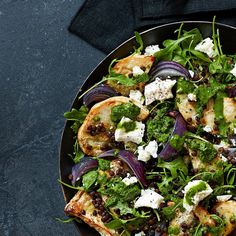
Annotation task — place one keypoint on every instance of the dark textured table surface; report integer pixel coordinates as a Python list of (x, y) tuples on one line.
[(41, 68)]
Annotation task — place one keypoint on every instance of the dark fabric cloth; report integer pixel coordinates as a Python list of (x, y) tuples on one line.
[(107, 23)]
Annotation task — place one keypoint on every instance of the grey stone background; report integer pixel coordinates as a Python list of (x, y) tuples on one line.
[(41, 68)]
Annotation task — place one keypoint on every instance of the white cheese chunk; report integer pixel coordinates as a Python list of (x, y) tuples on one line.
[(223, 158), (136, 96), (145, 154), (140, 234), (137, 71), (207, 128), (199, 196), (135, 136), (149, 198), (192, 97), (152, 148), (206, 46), (233, 71), (151, 50), (223, 198), (234, 130), (159, 90), (191, 73), (128, 180)]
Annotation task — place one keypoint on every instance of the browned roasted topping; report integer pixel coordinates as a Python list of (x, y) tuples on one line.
[(96, 129)]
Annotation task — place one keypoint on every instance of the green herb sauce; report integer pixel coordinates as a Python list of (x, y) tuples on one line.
[(160, 127), (128, 126), (128, 110), (185, 86), (206, 151), (192, 192), (205, 92), (104, 164), (173, 230), (177, 142)]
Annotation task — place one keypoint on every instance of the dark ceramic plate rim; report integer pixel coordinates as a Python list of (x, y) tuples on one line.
[(76, 103)]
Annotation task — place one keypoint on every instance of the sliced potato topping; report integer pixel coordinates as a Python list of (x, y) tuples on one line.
[(81, 206), (204, 216), (227, 210), (208, 118), (229, 109), (125, 67), (94, 136), (187, 109)]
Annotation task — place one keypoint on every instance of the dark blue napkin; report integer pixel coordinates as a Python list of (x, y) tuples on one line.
[(105, 24)]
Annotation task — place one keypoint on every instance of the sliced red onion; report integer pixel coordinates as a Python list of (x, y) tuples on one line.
[(231, 91), (85, 165), (98, 94), (131, 160), (165, 69), (168, 152)]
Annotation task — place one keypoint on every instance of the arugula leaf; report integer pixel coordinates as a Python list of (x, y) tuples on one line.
[(89, 179), (143, 78), (200, 55), (114, 224), (77, 116), (139, 41), (123, 207), (170, 211), (122, 79), (78, 154), (174, 166), (196, 37), (170, 46), (69, 220)]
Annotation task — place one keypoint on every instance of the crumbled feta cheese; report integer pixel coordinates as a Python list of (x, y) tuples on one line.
[(192, 97), (207, 128), (223, 158), (191, 73), (130, 180), (199, 196), (144, 154), (137, 71), (152, 148), (234, 130), (151, 50), (206, 46), (135, 136), (149, 198), (137, 96), (140, 234), (233, 141), (158, 90), (223, 198), (233, 71)]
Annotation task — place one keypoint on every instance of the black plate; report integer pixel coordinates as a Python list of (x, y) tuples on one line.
[(153, 36)]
